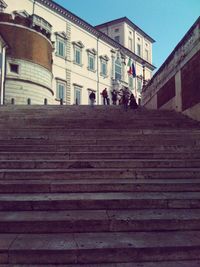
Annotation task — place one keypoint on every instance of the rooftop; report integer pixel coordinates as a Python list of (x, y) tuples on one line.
[(129, 22)]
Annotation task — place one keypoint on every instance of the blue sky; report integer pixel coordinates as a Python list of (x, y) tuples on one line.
[(166, 21)]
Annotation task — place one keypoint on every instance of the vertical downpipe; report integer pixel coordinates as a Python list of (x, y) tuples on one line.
[(97, 70), (33, 7), (3, 75)]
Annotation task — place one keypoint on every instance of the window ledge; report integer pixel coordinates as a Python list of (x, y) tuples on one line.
[(80, 65), (91, 70), (103, 75), (58, 99), (63, 57)]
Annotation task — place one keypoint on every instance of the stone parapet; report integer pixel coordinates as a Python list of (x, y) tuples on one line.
[(182, 68)]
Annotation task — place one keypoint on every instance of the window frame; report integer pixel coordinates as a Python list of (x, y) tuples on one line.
[(77, 88), (130, 43), (12, 70), (61, 38), (117, 73), (59, 41), (146, 54), (63, 84), (104, 68), (91, 55), (139, 85), (117, 39), (78, 49), (139, 49), (104, 62), (130, 82), (77, 55)]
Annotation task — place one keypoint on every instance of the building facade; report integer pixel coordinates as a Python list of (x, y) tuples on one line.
[(176, 85), (53, 54)]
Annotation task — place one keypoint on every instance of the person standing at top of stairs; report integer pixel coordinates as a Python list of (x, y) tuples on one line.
[(105, 97), (92, 98)]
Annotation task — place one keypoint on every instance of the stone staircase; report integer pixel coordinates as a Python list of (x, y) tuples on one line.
[(98, 187)]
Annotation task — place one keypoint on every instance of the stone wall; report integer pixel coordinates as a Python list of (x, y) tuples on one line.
[(190, 80), (176, 85), (32, 81)]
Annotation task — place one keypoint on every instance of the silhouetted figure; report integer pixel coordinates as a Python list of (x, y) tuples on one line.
[(125, 98), (105, 97), (133, 104), (92, 98), (114, 97)]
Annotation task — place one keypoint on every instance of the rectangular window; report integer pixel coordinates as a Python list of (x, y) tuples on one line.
[(60, 93), (77, 56), (146, 54), (77, 95), (139, 85), (139, 49), (130, 44), (14, 68), (118, 72), (60, 48), (130, 82), (91, 60), (117, 39), (103, 67)]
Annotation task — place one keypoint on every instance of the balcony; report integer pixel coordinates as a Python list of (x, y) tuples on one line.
[(41, 24), (117, 85)]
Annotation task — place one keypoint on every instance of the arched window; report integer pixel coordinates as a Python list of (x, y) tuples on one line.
[(118, 69)]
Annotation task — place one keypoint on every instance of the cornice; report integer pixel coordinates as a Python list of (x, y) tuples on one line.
[(130, 23), (52, 5)]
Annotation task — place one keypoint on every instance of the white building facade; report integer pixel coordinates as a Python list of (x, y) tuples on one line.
[(84, 58)]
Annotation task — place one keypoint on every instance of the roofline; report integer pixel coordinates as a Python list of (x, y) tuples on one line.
[(180, 43), (88, 27), (129, 22)]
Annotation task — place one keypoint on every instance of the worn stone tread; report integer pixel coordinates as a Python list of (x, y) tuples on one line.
[(91, 247), (91, 173), (99, 185), (100, 196), (131, 264), (154, 214)]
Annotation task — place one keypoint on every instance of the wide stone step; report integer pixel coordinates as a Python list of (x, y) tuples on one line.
[(103, 163), (51, 132), (90, 173), (70, 221), (81, 146), (186, 263), (133, 155), (137, 134), (98, 155), (99, 247), (130, 200), (102, 124), (99, 185), (71, 134)]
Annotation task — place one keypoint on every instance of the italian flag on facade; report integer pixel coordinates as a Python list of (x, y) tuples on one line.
[(131, 68)]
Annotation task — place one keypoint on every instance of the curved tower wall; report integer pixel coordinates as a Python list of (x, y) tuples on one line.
[(29, 62)]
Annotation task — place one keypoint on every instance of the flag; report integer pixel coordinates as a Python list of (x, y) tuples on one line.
[(129, 67), (133, 72)]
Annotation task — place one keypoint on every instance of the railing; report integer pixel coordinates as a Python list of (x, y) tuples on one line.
[(12, 102), (41, 23)]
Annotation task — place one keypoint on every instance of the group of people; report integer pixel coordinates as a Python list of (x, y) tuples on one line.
[(122, 97)]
